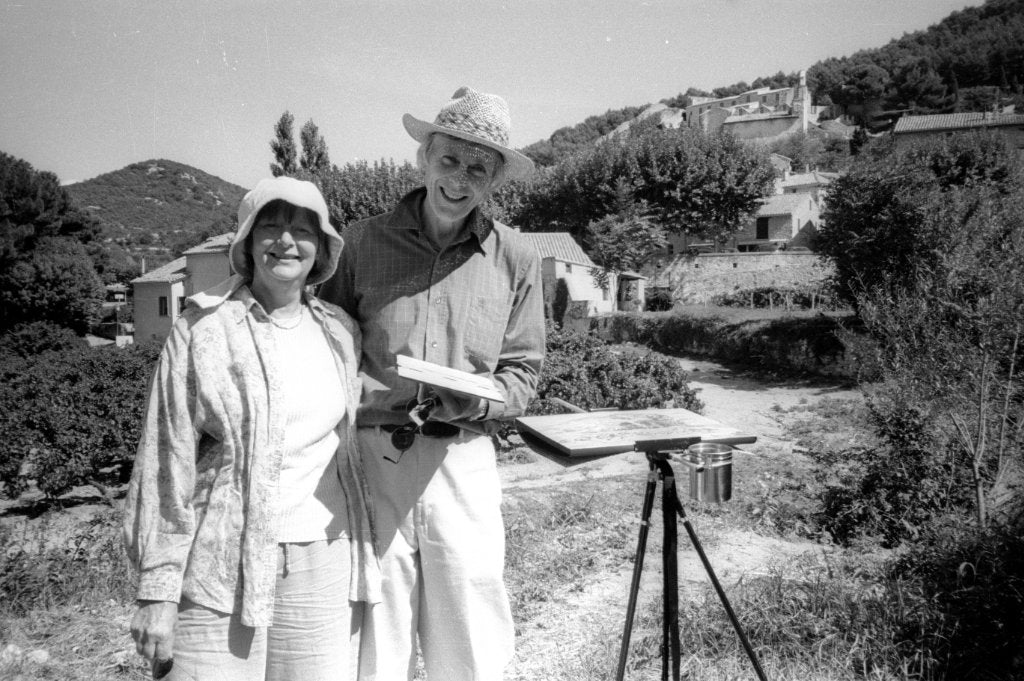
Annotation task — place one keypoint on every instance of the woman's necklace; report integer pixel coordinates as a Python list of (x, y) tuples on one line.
[(289, 323)]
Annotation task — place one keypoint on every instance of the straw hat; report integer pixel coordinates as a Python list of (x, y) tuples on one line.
[(476, 117), (298, 193)]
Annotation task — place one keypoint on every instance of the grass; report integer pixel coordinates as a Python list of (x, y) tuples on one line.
[(845, 617)]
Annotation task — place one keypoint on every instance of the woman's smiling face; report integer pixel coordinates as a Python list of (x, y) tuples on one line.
[(285, 241), (458, 175)]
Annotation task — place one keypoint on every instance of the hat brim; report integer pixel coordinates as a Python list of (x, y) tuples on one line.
[(517, 166)]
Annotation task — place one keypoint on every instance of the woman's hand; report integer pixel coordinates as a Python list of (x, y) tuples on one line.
[(153, 629)]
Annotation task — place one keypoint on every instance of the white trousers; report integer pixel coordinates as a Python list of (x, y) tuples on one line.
[(442, 543), (310, 637)]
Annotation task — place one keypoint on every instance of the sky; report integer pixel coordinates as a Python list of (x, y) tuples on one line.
[(90, 86)]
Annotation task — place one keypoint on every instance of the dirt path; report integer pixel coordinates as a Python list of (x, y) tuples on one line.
[(550, 645)]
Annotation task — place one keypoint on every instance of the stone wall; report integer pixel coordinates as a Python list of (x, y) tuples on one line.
[(699, 278)]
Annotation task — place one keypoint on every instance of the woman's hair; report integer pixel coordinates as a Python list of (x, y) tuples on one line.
[(289, 211), (424, 149)]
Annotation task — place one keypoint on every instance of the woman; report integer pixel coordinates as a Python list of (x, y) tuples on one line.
[(246, 515)]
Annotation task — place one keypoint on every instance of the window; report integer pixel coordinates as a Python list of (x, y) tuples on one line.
[(181, 304), (568, 268), (762, 228), (163, 306)]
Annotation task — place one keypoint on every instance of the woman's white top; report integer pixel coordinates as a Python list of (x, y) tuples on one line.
[(312, 499)]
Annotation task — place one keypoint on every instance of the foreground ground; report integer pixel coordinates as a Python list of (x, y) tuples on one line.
[(575, 631), (571, 539)]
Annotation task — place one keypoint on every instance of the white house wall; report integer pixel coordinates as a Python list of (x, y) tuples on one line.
[(149, 323)]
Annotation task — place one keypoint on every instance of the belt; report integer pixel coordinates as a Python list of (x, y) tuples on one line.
[(428, 429)]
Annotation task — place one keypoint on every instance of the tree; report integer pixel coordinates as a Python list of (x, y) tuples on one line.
[(873, 222), (54, 282), (691, 183), (360, 190), (624, 240), (283, 146), (315, 158)]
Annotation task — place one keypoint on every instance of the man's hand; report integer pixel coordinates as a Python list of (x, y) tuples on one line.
[(153, 629), (455, 406)]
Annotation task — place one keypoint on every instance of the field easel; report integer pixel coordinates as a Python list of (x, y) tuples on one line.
[(583, 436), (658, 453)]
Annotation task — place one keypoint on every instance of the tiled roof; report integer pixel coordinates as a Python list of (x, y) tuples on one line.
[(781, 204), (955, 121), (171, 272), (560, 246), (813, 177), (215, 244)]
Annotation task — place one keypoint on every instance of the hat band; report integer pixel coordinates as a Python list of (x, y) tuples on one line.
[(466, 123)]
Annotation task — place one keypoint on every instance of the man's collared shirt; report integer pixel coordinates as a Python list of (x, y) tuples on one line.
[(476, 305)]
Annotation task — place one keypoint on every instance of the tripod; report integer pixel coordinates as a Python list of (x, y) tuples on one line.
[(657, 452)]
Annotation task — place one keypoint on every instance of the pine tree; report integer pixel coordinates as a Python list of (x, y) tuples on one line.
[(283, 146)]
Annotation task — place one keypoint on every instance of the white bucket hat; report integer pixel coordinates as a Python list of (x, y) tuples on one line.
[(475, 117), (298, 193)]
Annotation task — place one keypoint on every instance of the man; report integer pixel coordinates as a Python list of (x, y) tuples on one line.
[(438, 281)]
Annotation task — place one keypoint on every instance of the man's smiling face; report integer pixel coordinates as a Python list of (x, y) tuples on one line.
[(458, 175)]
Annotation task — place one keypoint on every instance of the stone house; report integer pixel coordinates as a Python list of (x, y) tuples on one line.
[(912, 128)]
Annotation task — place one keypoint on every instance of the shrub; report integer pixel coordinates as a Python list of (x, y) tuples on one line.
[(894, 491), (775, 297), (34, 338), (975, 585), (583, 370), (659, 300), (73, 417)]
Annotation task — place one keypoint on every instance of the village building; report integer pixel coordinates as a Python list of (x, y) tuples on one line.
[(160, 294), (914, 128), (570, 288)]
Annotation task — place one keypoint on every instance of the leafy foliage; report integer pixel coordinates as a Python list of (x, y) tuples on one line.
[(72, 416), (315, 158), (283, 146), (569, 140), (46, 269), (582, 370), (623, 241), (360, 190), (691, 183), (876, 225), (929, 71)]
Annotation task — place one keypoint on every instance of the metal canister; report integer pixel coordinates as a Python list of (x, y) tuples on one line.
[(710, 467)]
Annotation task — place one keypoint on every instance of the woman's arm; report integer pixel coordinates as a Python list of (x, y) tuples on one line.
[(159, 522)]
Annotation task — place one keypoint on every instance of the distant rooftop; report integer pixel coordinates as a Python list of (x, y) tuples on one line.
[(171, 272), (817, 177), (956, 121), (560, 246), (781, 204), (215, 244)]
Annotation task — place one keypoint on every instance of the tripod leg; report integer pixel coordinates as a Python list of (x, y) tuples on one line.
[(638, 566), (721, 592), (670, 656)]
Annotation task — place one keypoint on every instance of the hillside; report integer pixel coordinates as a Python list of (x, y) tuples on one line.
[(158, 208), (973, 60)]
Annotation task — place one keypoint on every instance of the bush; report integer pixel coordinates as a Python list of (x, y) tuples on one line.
[(974, 582), (895, 491), (583, 370), (794, 344), (72, 417), (659, 300), (775, 297), (34, 338)]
